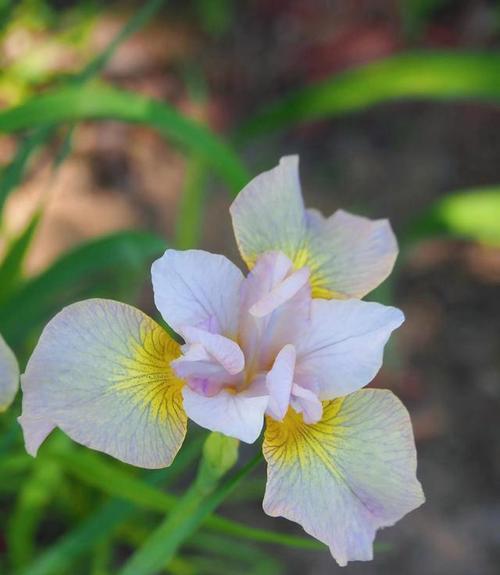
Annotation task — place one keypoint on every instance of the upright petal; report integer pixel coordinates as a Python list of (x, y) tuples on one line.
[(239, 415), (275, 303), (101, 372), (345, 476), (197, 288), (9, 375), (343, 347), (349, 255), (268, 214), (279, 381)]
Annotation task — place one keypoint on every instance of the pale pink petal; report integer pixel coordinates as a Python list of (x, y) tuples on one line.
[(279, 382), (347, 255), (350, 255), (101, 372), (343, 348), (197, 288), (346, 476), (261, 338), (268, 214), (306, 402), (239, 415), (224, 350), (281, 293)]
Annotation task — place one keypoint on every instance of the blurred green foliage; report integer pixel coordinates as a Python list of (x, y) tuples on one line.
[(76, 511)]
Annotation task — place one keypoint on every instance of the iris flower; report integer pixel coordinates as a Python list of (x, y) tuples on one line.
[(9, 375), (290, 347)]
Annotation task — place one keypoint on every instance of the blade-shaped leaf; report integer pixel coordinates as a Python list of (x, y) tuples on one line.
[(103, 522), (106, 259), (11, 266), (471, 214), (12, 175), (103, 102), (422, 75)]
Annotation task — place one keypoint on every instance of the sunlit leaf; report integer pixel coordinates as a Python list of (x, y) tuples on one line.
[(442, 76), (471, 214), (104, 102), (12, 175)]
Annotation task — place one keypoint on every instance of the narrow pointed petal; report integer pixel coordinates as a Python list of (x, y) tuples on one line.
[(9, 375), (279, 382), (343, 348), (239, 415), (281, 294), (268, 214), (350, 255), (197, 288), (346, 476), (101, 372), (284, 299)]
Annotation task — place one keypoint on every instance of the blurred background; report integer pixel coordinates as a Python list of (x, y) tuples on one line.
[(128, 126)]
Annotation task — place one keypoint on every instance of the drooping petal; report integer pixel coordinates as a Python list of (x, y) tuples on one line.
[(101, 372), (239, 415), (282, 300), (9, 375), (197, 288), (268, 214), (343, 348), (346, 476), (279, 381), (348, 256)]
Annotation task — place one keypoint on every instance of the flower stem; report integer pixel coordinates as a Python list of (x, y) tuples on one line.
[(204, 495)]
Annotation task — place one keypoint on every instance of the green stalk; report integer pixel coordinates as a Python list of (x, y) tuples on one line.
[(202, 498)]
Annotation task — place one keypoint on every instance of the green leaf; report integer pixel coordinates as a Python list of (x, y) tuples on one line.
[(104, 102), (471, 214), (115, 257), (95, 470), (12, 175), (256, 561), (100, 525), (198, 502), (33, 497), (441, 76), (189, 219), (11, 266), (111, 478)]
